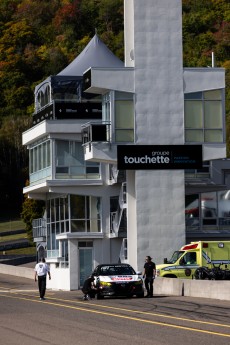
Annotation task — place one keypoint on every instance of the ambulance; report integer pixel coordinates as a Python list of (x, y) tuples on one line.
[(185, 261)]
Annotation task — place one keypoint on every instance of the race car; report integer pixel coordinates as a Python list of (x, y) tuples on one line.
[(117, 280)]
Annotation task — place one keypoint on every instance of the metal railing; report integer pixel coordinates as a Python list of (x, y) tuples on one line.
[(39, 227)]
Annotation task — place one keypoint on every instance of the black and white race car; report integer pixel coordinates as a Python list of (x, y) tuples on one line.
[(117, 280)]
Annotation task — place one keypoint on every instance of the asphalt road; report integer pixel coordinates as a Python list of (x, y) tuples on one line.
[(65, 319)]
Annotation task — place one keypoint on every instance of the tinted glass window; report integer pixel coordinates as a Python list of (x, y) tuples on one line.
[(116, 270)]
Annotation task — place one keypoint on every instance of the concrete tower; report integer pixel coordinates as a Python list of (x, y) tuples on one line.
[(153, 46)]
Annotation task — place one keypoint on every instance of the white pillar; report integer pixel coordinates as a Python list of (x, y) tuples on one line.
[(156, 224)]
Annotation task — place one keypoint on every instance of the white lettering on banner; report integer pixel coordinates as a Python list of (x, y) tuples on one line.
[(146, 159), (159, 153)]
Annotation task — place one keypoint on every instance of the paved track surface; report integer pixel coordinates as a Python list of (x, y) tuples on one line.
[(64, 318)]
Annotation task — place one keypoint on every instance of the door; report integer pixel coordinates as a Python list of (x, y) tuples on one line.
[(188, 265), (85, 264)]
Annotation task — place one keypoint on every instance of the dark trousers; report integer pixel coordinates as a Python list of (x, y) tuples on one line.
[(149, 285), (90, 292), (42, 285)]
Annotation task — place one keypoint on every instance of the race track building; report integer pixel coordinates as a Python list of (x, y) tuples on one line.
[(129, 157)]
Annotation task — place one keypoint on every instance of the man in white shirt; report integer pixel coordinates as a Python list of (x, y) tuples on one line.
[(41, 270)]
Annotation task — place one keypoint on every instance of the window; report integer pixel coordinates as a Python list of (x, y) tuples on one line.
[(58, 214), (70, 161), (40, 156), (52, 243), (189, 259), (85, 213), (39, 161), (192, 211), (198, 173), (125, 248), (224, 204), (118, 108), (209, 208), (64, 253), (43, 96), (85, 244), (124, 117), (204, 116), (106, 104), (82, 212)]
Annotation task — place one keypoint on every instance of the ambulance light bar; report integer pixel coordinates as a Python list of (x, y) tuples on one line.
[(190, 246)]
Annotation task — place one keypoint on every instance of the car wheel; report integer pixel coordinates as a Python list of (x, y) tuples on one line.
[(130, 295), (140, 295), (99, 296)]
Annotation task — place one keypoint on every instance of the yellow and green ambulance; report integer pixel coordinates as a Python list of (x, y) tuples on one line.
[(185, 261)]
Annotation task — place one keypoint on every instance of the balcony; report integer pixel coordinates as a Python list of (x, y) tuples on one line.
[(65, 110), (96, 138), (208, 229), (96, 132)]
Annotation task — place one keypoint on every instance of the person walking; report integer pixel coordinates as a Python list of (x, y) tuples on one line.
[(149, 273), (41, 270)]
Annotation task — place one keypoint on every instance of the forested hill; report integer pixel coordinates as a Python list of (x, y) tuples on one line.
[(39, 38)]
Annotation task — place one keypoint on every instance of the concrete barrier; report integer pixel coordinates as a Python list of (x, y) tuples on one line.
[(215, 289), (17, 271), (168, 286)]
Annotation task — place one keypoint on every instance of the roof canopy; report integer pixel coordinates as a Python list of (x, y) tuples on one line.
[(95, 54), (67, 83)]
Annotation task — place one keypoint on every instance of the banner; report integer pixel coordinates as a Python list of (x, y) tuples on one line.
[(164, 157)]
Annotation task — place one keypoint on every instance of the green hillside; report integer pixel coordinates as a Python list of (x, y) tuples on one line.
[(40, 38), (11, 225), (8, 234)]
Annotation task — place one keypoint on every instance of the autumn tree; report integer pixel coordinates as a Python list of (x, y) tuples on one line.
[(40, 38), (31, 209)]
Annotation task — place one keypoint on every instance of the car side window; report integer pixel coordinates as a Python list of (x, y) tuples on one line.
[(189, 259)]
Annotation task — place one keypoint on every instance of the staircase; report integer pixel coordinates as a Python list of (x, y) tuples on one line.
[(118, 218)]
